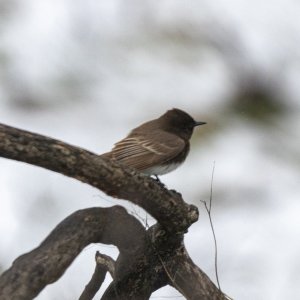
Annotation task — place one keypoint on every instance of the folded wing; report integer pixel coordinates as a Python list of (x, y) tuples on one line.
[(144, 152)]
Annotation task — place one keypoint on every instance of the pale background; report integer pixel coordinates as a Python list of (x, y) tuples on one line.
[(86, 72)]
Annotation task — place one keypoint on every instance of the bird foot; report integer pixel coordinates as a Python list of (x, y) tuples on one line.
[(158, 181)]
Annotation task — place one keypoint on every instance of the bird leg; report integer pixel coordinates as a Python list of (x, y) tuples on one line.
[(158, 181)]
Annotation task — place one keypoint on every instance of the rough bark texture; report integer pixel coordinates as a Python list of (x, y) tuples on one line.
[(164, 205), (181, 269), (31, 272), (148, 259)]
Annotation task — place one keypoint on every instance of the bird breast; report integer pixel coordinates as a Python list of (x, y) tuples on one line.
[(162, 169)]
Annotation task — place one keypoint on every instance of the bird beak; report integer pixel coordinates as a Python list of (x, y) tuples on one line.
[(199, 123)]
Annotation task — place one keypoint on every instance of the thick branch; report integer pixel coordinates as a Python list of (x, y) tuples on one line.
[(167, 207), (31, 272), (189, 280), (147, 261), (165, 261)]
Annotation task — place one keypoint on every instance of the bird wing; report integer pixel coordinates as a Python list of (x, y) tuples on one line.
[(143, 152)]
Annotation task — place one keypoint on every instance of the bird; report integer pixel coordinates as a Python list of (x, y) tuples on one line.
[(158, 146)]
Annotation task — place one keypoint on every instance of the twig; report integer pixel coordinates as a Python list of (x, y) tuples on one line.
[(208, 209)]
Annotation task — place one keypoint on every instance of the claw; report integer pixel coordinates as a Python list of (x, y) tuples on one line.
[(158, 181)]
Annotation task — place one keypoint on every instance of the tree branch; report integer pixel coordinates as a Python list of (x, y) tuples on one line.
[(147, 260), (167, 207), (104, 264), (31, 272), (189, 280)]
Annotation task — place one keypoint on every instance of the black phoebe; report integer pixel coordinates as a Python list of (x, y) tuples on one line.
[(156, 147)]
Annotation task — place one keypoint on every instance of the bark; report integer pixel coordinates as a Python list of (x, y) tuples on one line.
[(31, 272), (189, 280), (166, 206), (148, 259), (104, 264)]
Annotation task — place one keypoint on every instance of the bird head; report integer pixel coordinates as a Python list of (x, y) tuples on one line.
[(179, 122)]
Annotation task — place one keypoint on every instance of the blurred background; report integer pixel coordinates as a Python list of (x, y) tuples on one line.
[(87, 72)]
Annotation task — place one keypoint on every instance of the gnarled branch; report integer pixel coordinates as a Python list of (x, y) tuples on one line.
[(31, 272), (167, 207), (147, 260)]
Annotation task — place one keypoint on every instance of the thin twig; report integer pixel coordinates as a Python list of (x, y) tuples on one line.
[(211, 185), (208, 209)]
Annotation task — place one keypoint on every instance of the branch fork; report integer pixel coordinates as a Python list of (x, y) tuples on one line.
[(148, 259)]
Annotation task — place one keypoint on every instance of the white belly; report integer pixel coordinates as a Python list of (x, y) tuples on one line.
[(161, 170)]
